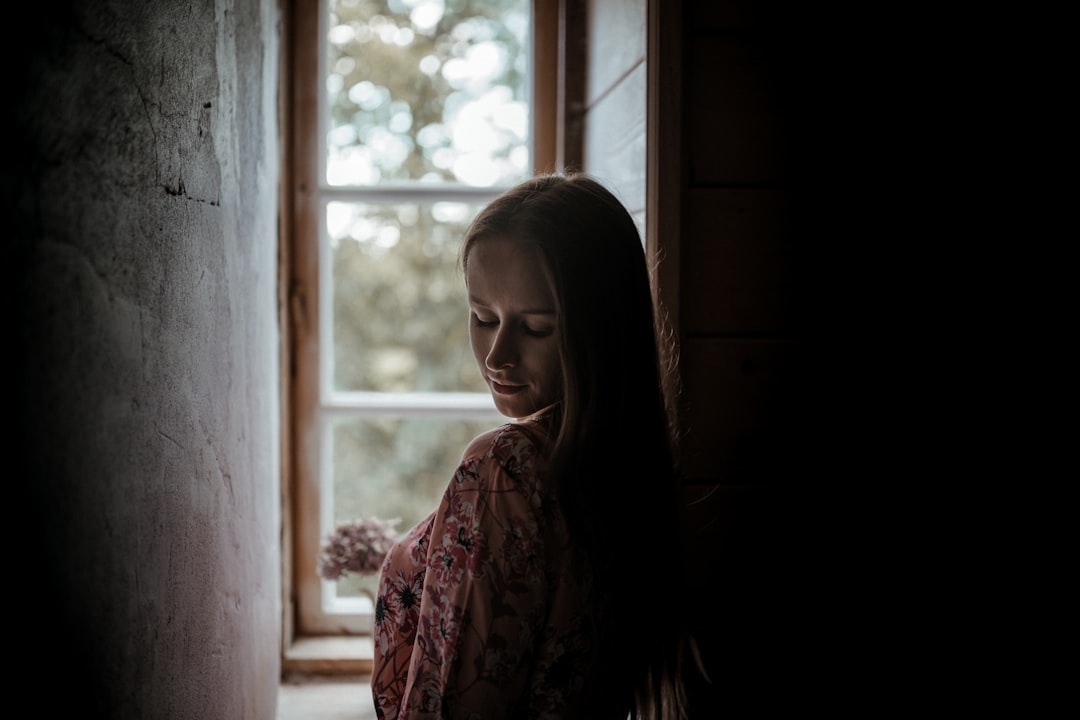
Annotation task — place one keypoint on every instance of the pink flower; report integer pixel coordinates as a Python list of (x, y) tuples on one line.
[(356, 547)]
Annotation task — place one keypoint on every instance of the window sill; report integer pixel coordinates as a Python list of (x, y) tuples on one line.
[(329, 655)]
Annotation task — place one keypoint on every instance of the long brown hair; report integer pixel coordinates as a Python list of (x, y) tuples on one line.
[(613, 457)]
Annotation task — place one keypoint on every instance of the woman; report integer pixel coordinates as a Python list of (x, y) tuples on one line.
[(543, 584)]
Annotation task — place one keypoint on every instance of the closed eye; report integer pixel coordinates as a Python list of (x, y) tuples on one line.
[(525, 328), (483, 323)]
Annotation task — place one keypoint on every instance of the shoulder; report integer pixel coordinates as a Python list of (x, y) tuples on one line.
[(481, 445), (510, 447), (496, 442)]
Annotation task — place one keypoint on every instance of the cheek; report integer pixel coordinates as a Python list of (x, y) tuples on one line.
[(478, 348), (553, 368)]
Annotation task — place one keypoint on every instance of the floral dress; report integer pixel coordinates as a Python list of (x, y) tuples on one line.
[(480, 613)]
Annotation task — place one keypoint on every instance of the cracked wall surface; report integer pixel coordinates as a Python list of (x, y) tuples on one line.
[(141, 184)]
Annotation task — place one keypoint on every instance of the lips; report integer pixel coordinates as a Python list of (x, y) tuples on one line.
[(506, 389)]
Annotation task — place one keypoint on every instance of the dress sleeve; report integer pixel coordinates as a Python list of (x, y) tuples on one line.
[(397, 609), (483, 599)]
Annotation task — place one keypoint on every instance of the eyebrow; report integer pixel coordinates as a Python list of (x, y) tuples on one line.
[(473, 300)]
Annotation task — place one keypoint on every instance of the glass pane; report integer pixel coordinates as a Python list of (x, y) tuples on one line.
[(400, 316), (427, 90), (395, 468)]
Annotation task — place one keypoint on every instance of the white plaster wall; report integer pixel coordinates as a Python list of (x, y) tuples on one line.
[(141, 188)]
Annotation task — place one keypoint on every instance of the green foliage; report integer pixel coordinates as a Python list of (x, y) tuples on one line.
[(400, 311), (409, 100)]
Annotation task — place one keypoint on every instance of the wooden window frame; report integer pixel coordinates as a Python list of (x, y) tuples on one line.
[(556, 105)]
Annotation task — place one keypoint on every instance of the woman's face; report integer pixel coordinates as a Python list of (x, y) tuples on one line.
[(513, 326)]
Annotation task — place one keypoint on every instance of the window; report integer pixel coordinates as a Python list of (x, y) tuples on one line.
[(407, 117)]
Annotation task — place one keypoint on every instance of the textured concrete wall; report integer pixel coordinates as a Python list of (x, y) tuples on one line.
[(140, 187)]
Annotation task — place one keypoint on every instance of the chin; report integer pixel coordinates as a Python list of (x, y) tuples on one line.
[(512, 413), (515, 412)]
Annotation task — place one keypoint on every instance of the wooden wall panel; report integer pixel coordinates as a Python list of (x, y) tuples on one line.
[(735, 130), (728, 16), (729, 528), (742, 408), (730, 99), (741, 273), (741, 266)]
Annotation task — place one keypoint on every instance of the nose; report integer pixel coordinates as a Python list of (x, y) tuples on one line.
[(503, 352)]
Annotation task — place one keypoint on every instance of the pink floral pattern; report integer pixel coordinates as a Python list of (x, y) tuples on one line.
[(479, 613)]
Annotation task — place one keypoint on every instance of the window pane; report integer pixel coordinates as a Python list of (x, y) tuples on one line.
[(395, 468), (427, 90), (400, 316)]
